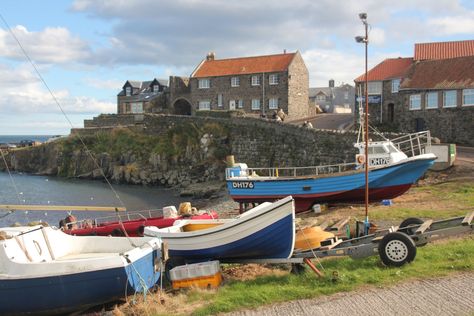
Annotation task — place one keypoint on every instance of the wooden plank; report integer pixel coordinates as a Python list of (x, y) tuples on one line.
[(337, 242), (339, 225), (424, 226), (61, 208), (324, 225), (468, 219)]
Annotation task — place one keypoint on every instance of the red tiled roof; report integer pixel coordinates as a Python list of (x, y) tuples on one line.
[(388, 69), (454, 73), (243, 65), (444, 50)]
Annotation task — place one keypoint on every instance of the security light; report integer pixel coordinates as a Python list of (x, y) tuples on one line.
[(363, 16)]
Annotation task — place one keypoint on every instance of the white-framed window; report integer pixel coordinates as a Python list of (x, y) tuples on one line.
[(255, 80), (321, 97), (128, 91), (450, 99), (273, 79), (204, 105), (255, 104), (467, 97), (240, 103), (234, 81), (415, 102), (273, 103), (431, 100), (156, 88), (375, 87), (204, 83), (219, 100), (346, 95), (136, 107), (395, 85)]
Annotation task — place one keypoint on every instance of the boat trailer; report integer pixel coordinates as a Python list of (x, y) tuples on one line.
[(395, 245)]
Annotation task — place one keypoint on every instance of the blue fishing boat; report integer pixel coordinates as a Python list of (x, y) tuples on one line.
[(45, 271), (264, 232), (391, 173)]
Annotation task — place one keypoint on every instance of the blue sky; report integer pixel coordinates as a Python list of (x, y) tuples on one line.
[(87, 49)]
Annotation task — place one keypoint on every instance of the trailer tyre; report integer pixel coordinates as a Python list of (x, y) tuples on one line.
[(396, 249), (405, 227)]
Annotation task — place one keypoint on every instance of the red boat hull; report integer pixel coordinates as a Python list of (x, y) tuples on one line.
[(303, 202), (134, 228)]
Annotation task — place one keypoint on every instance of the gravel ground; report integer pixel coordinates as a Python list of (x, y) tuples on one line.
[(444, 296)]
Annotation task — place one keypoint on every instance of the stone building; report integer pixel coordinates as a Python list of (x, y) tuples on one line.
[(142, 96), (258, 85), (333, 99), (433, 91)]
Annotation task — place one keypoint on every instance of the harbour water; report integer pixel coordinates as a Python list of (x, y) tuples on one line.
[(45, 190)]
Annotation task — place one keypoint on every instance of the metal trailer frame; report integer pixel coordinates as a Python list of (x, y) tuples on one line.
[(362, 247)]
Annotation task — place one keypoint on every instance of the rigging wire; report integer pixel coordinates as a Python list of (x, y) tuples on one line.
[(61, 109), (13, 184)]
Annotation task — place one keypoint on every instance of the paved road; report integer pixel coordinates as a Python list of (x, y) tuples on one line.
[(446, 296)]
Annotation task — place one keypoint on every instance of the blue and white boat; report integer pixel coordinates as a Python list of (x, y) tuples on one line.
[(391, 173), (45, 271), (264, 232)]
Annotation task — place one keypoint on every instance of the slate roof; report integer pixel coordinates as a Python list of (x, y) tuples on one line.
[(142, 87), (444, 50), (454, 73), (313, 92), (390, 68), (243, 65)]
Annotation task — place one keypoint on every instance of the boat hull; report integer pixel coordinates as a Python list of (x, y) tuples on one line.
[(265, 233), (384, 183)]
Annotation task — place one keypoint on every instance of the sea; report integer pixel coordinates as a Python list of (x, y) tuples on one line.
[(21, 188)]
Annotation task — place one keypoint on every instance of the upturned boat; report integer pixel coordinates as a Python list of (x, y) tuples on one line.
[(45, 271), (391, 173), (264, 232)]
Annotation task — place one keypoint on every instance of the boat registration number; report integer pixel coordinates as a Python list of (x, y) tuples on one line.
[(379, 161), (243, 185)]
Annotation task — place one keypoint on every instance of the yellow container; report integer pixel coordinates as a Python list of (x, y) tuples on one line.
[(212, 281), (310, 238)]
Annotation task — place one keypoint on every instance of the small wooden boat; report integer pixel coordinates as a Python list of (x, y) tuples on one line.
[(45, 271), (132, 222), (264, 232)]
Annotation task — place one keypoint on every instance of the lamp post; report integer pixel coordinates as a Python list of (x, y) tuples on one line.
[(365, 40)]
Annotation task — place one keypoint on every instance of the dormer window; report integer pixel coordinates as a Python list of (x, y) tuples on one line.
[(156, 88), (128, 91)]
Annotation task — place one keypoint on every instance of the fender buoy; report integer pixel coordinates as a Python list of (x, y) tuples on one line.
[(360, 159)]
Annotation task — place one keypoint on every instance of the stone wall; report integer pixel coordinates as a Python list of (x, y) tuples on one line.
[(298, 87)]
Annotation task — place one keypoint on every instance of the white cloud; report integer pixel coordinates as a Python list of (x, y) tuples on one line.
[(452, 25), (52, 45), (109, 84)]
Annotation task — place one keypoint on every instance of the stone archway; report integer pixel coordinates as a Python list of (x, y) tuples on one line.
[(182, 107)]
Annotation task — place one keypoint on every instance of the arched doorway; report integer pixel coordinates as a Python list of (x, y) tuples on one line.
[(182, 107)]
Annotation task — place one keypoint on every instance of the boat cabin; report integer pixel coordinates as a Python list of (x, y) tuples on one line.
[(381, 153)]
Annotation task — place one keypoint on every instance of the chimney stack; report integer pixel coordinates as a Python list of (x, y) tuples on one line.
[(210, 56)]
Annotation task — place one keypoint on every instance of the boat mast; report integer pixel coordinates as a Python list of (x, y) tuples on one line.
[(365, 40)]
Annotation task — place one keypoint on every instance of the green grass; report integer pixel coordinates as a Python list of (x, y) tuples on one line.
[(431, 261)]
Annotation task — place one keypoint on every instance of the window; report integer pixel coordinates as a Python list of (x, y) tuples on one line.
[(204, 83), (156, 88), (415, 102), (240, 103), (320, 97), (450, 99), (375, 87), (235, 81), (128, 91), (136, 107), (204, 105), (395, 85), (219, 100), (468, 97), (255, 80), (273, 79), (346, 95), (255, 104), (273, 103), (431, 100)]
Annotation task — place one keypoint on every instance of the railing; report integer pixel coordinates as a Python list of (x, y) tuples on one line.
[(413, 144), (128, 216), (294, 171)]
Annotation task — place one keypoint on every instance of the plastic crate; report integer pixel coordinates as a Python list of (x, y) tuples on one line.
[(195, 270), (212, 281)]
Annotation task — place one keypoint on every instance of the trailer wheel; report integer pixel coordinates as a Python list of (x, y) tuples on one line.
[(405, 227), (396, 249)]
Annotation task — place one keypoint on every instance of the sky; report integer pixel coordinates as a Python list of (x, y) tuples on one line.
[(86, 49)]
